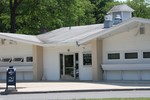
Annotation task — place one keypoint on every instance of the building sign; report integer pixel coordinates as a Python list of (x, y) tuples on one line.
[(87, 59)]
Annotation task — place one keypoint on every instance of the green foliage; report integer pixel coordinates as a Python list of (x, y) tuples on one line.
[(141, 7), (100, 9), (4, 16), (39, 16)]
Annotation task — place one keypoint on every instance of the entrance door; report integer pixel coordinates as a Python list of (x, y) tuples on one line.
[(69, 68)]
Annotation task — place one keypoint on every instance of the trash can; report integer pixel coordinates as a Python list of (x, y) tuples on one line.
[(11, 77)]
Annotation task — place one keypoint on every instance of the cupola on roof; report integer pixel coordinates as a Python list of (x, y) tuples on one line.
[(120, 8)]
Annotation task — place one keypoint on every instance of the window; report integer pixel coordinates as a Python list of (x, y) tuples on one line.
[(142, 30), (29, 59), (113, 55), (87, 59), (132, 55), (146, 54), (18, 59), (6, 59)]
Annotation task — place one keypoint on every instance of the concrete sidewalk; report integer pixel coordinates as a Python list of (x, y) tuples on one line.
[(51, 87)]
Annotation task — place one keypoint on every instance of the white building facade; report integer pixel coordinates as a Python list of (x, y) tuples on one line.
[(18, 55), (126, 56), (91, 52)]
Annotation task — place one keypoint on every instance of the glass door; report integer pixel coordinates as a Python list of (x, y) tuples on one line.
[(69, 66)]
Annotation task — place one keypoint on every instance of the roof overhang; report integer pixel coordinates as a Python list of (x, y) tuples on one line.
[(98, 34), (29, 39), (120, 28), (60, 44)]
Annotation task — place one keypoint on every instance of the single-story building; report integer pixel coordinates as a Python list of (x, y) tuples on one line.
[(118, 49)]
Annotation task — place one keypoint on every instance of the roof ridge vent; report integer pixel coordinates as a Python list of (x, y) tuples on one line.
[(117, 20), (108, 21)]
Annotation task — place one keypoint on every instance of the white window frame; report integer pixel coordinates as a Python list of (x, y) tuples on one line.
[(132, 58), (114, 53), (28, 61), (10, 59), (143, 54), (21, 61)]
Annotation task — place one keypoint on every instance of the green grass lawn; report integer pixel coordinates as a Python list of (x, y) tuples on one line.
[(120, 99)]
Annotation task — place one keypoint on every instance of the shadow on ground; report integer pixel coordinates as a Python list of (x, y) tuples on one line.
[(10, 90)]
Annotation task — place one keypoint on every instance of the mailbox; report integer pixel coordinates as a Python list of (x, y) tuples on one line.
[(11, 76)]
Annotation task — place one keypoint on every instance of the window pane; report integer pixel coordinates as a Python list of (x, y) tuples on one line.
[(7, 59), (146, 54), (29, 59), (133, 55), (69, 61), (61, 63), (18, 59), (113, 56)]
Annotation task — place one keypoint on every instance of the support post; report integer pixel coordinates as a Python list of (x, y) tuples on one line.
[(37, 62), (97, 59)]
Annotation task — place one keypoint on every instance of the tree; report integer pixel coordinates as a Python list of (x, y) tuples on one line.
[(38, 16), (87, 16), (74, 12), (13, 7), (141, 7), (100, 9), (4, 16)]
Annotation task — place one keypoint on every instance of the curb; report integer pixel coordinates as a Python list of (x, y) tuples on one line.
[(66, 91)]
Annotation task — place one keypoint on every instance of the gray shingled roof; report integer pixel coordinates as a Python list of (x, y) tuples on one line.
[(118, 8), (66, 35)]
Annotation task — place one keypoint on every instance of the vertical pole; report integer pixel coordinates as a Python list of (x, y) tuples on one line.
[(97, 59)]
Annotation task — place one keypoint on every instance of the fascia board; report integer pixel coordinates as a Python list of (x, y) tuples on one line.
[(59, 44), (142, 20)]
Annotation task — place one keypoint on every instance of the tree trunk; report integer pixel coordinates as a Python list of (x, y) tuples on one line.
[(12, 16)]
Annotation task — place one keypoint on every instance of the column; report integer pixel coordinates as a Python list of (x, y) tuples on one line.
[(37, 62), (97, 59)]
